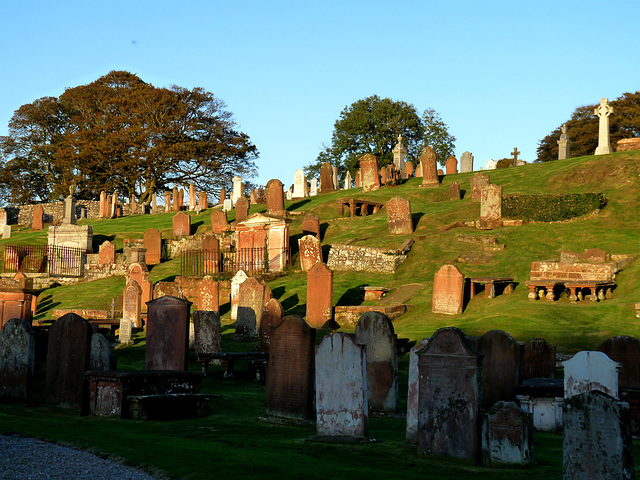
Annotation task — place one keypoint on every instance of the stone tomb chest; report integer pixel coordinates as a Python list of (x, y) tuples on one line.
[(260, 238)]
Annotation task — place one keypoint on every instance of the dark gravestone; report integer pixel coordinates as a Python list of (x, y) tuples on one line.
[(207, 330), (242, 208), (369, 172), (153, 244), (219, 221), (181, 225), (507, 436), (624, 350), (100, 360), (429, 167), (167, 334), (326, 178), (319, 296), (311, 226), (17, 359), (450, 373), (250, 305), (290, 369), (208, 295), (501, 367), (411, 436), (539, 359), (223, 195), (375, 331), (271, 316), (275, 198), (67, 359), (140, 273)]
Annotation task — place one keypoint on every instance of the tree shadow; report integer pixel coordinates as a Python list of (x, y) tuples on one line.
[(293, 244), (195, 225), (415, 218), (290, 302), (298, 204), (352, 297), (100, 239), (323, 228)]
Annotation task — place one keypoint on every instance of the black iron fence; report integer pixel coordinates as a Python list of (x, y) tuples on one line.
[(54, 260), (254, 261)]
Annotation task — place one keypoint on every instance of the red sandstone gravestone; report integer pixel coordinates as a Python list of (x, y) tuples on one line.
[(163, 289), (275, 198), (140, 273), (38, 214), (311, 226), (271, 315), (369, 171), (310, 252), (429, 168), (539, 359), (507, 436), (408, 169), (207, 331), (452, 165), (219, 222), (399, 218), (242, 208), (223, 195), (478, 182), (181, 225), (448, 291), (17, 359), (153, 244), (107, 253), (491, 207), (211, 253), (208, 294), (167, 334), (319, 296)]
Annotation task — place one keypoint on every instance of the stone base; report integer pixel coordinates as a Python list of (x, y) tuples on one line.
[(603, 150), (429, 185), (489, 224)]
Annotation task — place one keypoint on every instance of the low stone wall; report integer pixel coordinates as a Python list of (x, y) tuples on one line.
[(365, 259), (628, 144), (349, 316)]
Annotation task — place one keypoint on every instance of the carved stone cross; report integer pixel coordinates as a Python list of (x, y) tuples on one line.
[(515, 154)]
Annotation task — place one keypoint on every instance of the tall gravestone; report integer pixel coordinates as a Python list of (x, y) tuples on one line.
[(454, 191), (250, 305), (102, 213), (203, 201), (603, 111), (167, 201), (451, 167), (192, 197), (238, 189), (106, 253), (375, 331), (334, 178), (399, 218), (181, 225), (153, 244), (408, 169), (219, 221), (223, 195), (478, 182), (17, 359), (369, 172), (539, 359), (310, 252), (491, 207), (211, 254), (176, 199), (314, 187), (208, 294), (275, 198), (242, 209), (319, 296), (341, 387), (564, 144), (448, 291), (466, 162), (326, 178), (626, 351), (399, 154), (236, 281), (347, 180), (290, 369), (207, 332), (38, 215), (167, 334), (450, 373), (271, 315), (140, 273), (299, 185), (507, 436), (590, 371), (429, 168), (411, 435)]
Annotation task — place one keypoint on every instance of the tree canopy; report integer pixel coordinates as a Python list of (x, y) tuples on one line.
[(121, 133), (372, 125), (582, 128)]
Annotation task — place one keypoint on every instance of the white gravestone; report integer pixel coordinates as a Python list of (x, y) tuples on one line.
[(314, 187), (466, 162), (347, 181), (237, 189), (603, 111), (590, 371), (299, 185), (237, 279)]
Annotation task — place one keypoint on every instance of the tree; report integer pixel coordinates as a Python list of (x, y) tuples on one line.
[(582, 128), (437, 136)]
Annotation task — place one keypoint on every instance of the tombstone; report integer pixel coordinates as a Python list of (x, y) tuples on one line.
[(192, 197), (203, 201), (100, 360), (597, 441), (253, 197), (466, 162), (236, 281), (167, 201), (106, 253), (451, 167), (539, 359), (132, 303), (448, 291), (411, 436), (287, 195), (507, 436), (250, 305), (153, 244), (181, 225), (167, 334), (491, 207), (37, 220), (319, 296), (341, 387), (68, 357), (454, 191), (358, 178), (369, 172), (399, 218), (238, 190), (219, 222), (17, 359), (207, 332), (564, 144), (501, 367), (140, 273), (299, 185), (163, 289), (133, 206), (154, 203), (334, 178), (242, 209), (125, 331), (603, 111), (69, 217), (626, 351), (408, 169), (399, 154), (383, 176), (227, 205), (478, 182), (271, 315), (515, 154), (208, 295), (102, 213), (310, 252), (449, 397), (429, 168), (375, 331), (211, 256), (275, 198), (311, 226), (176, 199), (347, 180), (223, 195), (587, 371), (314, 187), (181, 199), (290, 368), (326, 178)]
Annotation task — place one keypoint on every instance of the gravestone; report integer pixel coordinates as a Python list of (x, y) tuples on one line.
[(311, 226), (319, 296), (100, 360), (564, 144), (341, 387), (140, 273), (603, 111), (223, 195), (250, 305), (236, 281), (102, 213), (167, 201), (153, 244), (450, 372), (167, 334), (203, 201), (626, 351), (408, 169), (501, 367), (507, 436), (299, 185), (491, 207), (125, 331), (369, 172), (375, 331), (132, 303), (478, 182), (106, 253), (590, 371), (211, 255), (192, 197), (347, 180), (17, 359), (242, 209), (181, 199), (176, 199), (466, 162), (451, 167), (219, 222), (399, 154), (326, 178), (181, 225), (208, 295), (454, 191), (238, 189), (314, 187), (399, 218), (38, 216), (411, 436), (429, 168), (290, 368), (68, 357), (448, 291), (207, 331), (310, 252), (275, 198), (334, 177), (271, 315), (597, 441), (69, 217), (539, 359)]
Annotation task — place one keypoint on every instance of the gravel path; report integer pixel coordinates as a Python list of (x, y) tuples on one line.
[(32, 459)]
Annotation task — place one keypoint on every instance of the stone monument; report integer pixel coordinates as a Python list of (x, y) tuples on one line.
[(603, 111)]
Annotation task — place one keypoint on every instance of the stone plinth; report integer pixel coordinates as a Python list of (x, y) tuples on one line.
[(74, 236)]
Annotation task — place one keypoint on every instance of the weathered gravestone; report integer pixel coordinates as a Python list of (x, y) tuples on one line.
[(369, 172), (454, 191), (451, 167), (411, 437), (125, 331), (140, 273), (271, 315), (319, 296), (375, 331), (192, 197), (341, 387), (626, 351), (429, 168), (68, 357), (242, 208), (275, 198), (334, 177), (590, 371), (347, 180), (310, 252), (176, 199), (106, 253), (236, 281), (167, 201), (539, 359), (501, 367), (153, 244), (507, 436), (311, 226), (314, 187), (38, 216), (250, 305), (163, 289), (478, 182), (219, 222), (203, 201), (102, 213), (100, 359), (208, 294), (167, 334), (207, 332), (181, 225), (227, 205), (223, 195), (299, 185), (399, 218), (326, 178), (290, 369), (491, 207), (448, 291), (597, 438), (466, 162), (408, 169), (450, 372), (132, 303), (17, 359)]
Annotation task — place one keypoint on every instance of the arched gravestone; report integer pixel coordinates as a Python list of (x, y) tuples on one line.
[(250, 305), (626, 351), (326, 178), (454, 191), (310, 252), (399, 218), (507, 436), (319, 296), (341, 387), (132, 303), (106, 253), (369, 173), (208, 295), (153, 244), (448, 291), (241, 208), (290, 369), (271, 316), (451, 167), (219, 221), (167, 334), (539, 359), (211, 253), (181, 225), (375, 331), (68, 357), (450, 372), (311, 226), (429, 168), (275, 198), (17, 359), (207, 332), (140, 273), (411, 436), (490, 207), (587, 371), (38, 217)]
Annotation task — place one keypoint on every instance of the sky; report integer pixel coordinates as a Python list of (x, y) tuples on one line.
[(501, 74)]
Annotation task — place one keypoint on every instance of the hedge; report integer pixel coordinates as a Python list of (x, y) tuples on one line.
[(551, 208)]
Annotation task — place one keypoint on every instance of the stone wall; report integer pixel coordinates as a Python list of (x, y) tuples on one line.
[(365, 259)]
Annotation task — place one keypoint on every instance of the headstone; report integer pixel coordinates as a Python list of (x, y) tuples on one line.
[(290, 368), (399, 218), (319, 296), (102, 213), (203, 201), (326, 178), (211, 254), (501, 367), (253, 197), (167, 345), (369, 169), (287, 195), (219, 222), (383, 176), (236, 281), (399, 154), (454, 191), (153, 244), (336, 181), (375, 331), (167, 201), (176, 199), (341, 387), (140, 273), (181, 225), (311, 226), (154, 203), (603, 111), (271, 315), (250, 305), (133, 205), (539, 359), (466, 162), (17, 359), (429, 168), (478, 182), (181, 199), (452, 165), (68, 357), (448, 291), (310, 252), (358, 178), (408, 169), (108, 210), (564, 144), (125, 331), (38, 216), (208, 294), (242, 209), (100, 360), (106, 253), (192, 197), (597, 438), (275, 198), (314, 187), (587, 371), (411, 437), (207, 331), (626, 351), (69, 217), (132, 303), (238, 191), (299, 185), (507, 436), (164, 288), (491, 207), (515, 154), (450, 372), (223, 195), (347, 180)]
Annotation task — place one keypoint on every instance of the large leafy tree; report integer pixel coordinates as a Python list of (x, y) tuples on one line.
[(121, 133), (582, 128)]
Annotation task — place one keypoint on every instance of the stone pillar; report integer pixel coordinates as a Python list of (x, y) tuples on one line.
[(603, 111), (399, 154), (563, 144)]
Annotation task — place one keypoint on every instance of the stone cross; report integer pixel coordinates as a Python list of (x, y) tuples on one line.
[(515, 154), (603, 111)]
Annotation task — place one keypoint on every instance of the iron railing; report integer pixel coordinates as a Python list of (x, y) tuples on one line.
[(55, 260), (254, 261)]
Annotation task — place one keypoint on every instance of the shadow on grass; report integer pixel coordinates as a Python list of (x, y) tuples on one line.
[(100, 239), (299, 204), (415, 218), (352, 297), (289, 303)]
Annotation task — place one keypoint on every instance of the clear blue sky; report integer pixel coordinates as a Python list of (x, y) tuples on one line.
[(501, 74)]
